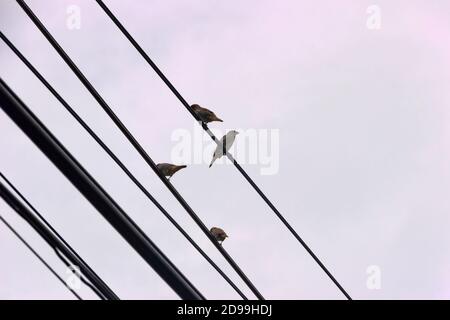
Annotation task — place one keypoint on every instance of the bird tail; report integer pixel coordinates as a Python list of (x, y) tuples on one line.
[(214, 159), (178, 168)]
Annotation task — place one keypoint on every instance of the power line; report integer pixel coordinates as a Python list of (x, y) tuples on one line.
[(10, 227), (118, 162), (58, 253), (135, 144), (70, 266), (101, 289), (230, 157), (36, 131)]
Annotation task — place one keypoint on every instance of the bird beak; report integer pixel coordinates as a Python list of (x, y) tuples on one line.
[(237, 132)]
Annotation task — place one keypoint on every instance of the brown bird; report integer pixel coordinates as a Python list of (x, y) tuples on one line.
[(168, 170), (219, 234), (204, 114)]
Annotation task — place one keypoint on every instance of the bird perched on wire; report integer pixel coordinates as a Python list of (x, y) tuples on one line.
[(204, 114), (168, 170), (224, 145), (218, 234)]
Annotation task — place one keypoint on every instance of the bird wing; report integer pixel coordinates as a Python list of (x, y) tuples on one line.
[(229, 141), (222, 233)]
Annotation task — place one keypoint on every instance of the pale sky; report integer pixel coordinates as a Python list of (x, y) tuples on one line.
[(363, 117)]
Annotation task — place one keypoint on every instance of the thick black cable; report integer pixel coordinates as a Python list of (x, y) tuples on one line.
[(10, 227), (230, 157), (135, 144), (70, 266), (38, 133), (58, 253), (116, 160), (102, 290)]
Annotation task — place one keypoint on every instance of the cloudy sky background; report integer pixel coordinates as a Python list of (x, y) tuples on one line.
[(364, 160)]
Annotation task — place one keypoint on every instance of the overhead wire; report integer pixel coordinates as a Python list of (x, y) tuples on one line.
[(82, 180), (118, 162), (230, 157), (58, 252), (136, 144), (39, 257)]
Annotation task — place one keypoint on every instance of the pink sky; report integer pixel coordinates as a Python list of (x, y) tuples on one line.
[(363, 119)]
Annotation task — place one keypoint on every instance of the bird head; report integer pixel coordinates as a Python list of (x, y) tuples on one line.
[(234, 132)]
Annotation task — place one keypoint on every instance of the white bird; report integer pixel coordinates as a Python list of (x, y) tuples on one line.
[(227, 141)]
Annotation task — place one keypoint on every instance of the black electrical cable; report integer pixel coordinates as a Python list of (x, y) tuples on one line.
[(135, 144), (36, 131), (116, 160), (101, 289), (76, 273), (230, 157), (58, 253), (10, 227)]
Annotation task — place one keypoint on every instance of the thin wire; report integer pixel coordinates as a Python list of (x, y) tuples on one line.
[(230, 157), (116, 160), (58, 253), (135, 143), (10, 227), (87, 283), (41, 136)]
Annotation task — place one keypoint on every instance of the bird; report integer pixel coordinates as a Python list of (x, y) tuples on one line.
[(227, 141), (204, 114), (168, 170), (218, 234)]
